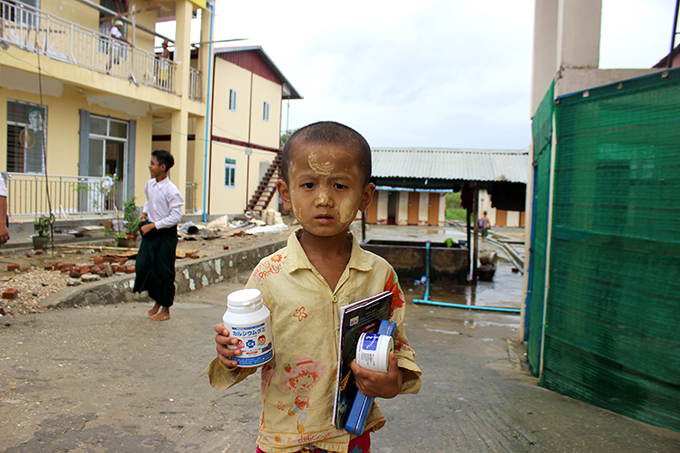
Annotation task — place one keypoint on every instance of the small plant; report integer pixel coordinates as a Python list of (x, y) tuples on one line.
[(43, 225), (130, 217)]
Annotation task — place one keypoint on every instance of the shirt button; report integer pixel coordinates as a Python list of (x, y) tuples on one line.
[(335, 299)]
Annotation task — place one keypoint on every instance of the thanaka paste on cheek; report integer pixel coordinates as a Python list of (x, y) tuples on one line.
[(348, 209)]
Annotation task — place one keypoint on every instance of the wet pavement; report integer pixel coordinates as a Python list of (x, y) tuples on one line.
[(107, 379)]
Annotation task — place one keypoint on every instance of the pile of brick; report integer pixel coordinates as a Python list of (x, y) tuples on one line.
[(102, 266)]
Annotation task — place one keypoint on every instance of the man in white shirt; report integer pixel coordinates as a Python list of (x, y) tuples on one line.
[(155, 264), (117, 35)]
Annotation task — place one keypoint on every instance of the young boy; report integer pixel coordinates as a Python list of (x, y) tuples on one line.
[(155, 265), (326, 170)]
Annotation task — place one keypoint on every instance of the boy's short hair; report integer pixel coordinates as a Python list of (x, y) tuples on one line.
[(164, 157), (328, 132)]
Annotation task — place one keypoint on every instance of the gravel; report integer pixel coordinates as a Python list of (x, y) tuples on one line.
[(34, 283)]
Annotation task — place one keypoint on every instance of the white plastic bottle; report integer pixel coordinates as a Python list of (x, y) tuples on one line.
[(249, 320), (373, 351)]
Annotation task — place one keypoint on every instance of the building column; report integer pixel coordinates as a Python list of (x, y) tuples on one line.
[(424, 209), (383, 202), (578, 34), (202, 144), (566, 35), (402, 208), (180, 119)]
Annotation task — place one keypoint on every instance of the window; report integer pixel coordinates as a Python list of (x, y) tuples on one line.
[(232, 99), (229, 173), (26, 129), (265, 111)]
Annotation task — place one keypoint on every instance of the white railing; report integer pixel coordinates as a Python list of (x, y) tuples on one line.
[(32, 30), (194, 84), (27, 194), (191, 200)]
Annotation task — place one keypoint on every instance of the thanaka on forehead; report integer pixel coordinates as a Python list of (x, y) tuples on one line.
[(328, 132)]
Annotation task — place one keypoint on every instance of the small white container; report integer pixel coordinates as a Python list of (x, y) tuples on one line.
[(373, 351), (249, 320)]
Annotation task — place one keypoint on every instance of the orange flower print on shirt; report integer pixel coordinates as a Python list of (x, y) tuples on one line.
[(281, 406), (398, 298), (300, 314)]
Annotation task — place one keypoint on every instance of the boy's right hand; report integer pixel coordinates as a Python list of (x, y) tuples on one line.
[(225, 354)]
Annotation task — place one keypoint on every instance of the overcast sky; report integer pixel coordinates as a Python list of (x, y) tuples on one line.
[(431, 73)]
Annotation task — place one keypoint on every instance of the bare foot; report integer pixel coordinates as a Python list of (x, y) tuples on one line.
[(164, 315), (154, 310)]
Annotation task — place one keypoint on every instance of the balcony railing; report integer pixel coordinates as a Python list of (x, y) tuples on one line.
[(190, 206), (32, 30), (83, 195), (194, 84), (72, 195)]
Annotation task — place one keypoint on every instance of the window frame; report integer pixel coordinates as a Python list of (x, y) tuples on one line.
[(229, 173), (265, 111), (232, 99), (42, 131)]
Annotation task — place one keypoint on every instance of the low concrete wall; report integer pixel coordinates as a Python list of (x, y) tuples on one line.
[(190, 276)]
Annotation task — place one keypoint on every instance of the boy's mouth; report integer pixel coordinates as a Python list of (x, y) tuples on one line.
[(323, 218)]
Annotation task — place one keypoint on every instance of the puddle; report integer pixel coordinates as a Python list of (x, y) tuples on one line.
[(504, 291)]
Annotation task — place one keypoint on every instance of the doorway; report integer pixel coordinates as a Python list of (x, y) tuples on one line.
[(107, 151)]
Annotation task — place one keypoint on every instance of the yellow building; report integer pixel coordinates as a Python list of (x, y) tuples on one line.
[(79, 105), (245, 123)]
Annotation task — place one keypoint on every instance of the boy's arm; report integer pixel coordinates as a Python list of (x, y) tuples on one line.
[(223, 371)]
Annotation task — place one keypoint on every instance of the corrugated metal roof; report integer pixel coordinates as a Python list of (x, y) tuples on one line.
[(452, 164)]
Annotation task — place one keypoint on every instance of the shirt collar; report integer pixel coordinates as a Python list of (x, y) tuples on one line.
[(297, 258)]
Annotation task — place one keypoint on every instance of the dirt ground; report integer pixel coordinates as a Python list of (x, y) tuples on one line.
[(34, 283)]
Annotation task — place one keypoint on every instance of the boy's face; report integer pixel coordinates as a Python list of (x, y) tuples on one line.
[(154, 168), (325, 188)]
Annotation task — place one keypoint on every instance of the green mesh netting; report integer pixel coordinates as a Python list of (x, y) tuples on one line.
[(612, 332), (542, 139)]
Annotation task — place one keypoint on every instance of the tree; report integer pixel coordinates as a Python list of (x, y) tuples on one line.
[(286, 135)]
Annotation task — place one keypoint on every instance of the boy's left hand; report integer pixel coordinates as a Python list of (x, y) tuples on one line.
[(374, 384), (146, 228)]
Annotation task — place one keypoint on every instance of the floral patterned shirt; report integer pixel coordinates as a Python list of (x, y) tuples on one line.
[(298, 384)]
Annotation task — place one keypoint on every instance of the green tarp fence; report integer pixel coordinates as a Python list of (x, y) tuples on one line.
[(612, 321), (542, 128)]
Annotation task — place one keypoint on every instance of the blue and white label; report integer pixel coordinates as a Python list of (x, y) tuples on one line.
[(256, 348)]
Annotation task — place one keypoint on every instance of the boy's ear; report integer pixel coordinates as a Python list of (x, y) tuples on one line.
[(282, 188), (366, 197)]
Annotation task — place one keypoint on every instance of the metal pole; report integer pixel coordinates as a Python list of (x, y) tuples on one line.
[(675, 27)]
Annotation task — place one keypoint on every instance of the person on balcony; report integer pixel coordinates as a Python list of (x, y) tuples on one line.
[(116, 35), (164, 62)]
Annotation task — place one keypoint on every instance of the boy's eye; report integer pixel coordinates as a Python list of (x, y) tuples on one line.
[(339, 186), (308, 185)]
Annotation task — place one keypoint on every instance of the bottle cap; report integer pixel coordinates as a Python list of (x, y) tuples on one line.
[(244, 300)]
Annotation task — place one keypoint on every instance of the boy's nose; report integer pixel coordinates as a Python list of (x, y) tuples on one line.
[(323, 200)]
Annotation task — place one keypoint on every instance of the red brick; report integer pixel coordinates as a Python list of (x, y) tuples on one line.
[(74, 274), (121, 260), (13, 267), (38, 251), (98, 260), (10, 293), (129, 270)]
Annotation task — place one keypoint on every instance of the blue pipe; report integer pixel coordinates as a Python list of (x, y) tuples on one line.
[(208, 122), (426, 301)]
